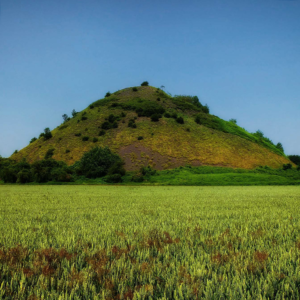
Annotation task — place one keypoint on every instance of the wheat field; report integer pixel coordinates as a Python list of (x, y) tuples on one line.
[(116, 242)]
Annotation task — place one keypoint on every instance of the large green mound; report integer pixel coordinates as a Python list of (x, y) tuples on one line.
[(146, 126)]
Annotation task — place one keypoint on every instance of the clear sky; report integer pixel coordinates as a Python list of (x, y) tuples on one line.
[(241, 57)]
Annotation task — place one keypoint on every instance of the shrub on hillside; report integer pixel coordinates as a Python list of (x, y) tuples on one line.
[(131, 123), (74, 113), (155, 117), (85, 138), (167, 115), (147, 171), (280, 147), (180, 120), (78, 134), (287, 166), (145, 83), (295, 159), (95, 140), (97, 162), (134, 89), (67, 150), (107, 94), (174, 116), (49, 153), (91, 106), (83, 118), (33, 140), (140, 138), (106, 125), (102, 132), (46, 134)]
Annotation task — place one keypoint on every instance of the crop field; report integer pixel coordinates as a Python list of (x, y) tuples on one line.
[(141, 242)]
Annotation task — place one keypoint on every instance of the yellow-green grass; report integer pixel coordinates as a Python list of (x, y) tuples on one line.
[(187, 143), (92, 242)]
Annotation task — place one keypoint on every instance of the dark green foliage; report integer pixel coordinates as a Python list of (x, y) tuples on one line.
[(188, 129), (24, 176), (184, 103), (97, 162), (233, 121), (61, 174), (111, 118), (46, 134), (42, 170), (74, 113), (95, 140), (65, 117), (123, 114), (111, 122), (137, 178), (174, 116), (298, 168), (33, 140), (78, 134), (147, 171), (295, 159), (205, 109), (117, 168), (145, 83), (106, 125), (259, 134), (140, 138), (9, 175), (63, 127), (49, 153), (131, 123), (68, 151), (102, 132), (114, 178), (85, 138), (180, 120), (167, 115), (16, 151), (158, 99), (91, 106), (83, 118), (155, 117), (287, 166), (144, 108), (280, 147), (107, 94), (134, 89)]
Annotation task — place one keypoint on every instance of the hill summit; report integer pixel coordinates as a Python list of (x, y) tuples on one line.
[(147, 126)]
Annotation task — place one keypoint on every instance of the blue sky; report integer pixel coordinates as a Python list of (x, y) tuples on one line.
[(241, 57)]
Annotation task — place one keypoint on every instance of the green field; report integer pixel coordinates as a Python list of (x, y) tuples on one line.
[(140, 242)]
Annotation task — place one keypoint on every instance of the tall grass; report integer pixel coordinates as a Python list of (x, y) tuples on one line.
[(95, 242)]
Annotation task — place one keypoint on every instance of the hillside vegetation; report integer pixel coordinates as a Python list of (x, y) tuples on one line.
[(146, 126)]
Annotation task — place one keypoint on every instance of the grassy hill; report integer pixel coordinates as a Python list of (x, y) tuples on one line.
[(146, 126)]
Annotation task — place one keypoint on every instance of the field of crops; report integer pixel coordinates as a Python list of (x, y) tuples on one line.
[(118, 242)]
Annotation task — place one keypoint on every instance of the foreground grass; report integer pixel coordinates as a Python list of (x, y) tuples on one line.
[(102, 242)]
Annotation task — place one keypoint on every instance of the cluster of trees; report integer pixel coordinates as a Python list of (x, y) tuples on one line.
[(261, 136), (99, 162)]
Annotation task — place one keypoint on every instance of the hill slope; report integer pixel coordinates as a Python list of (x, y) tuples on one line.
[(124, 123)]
